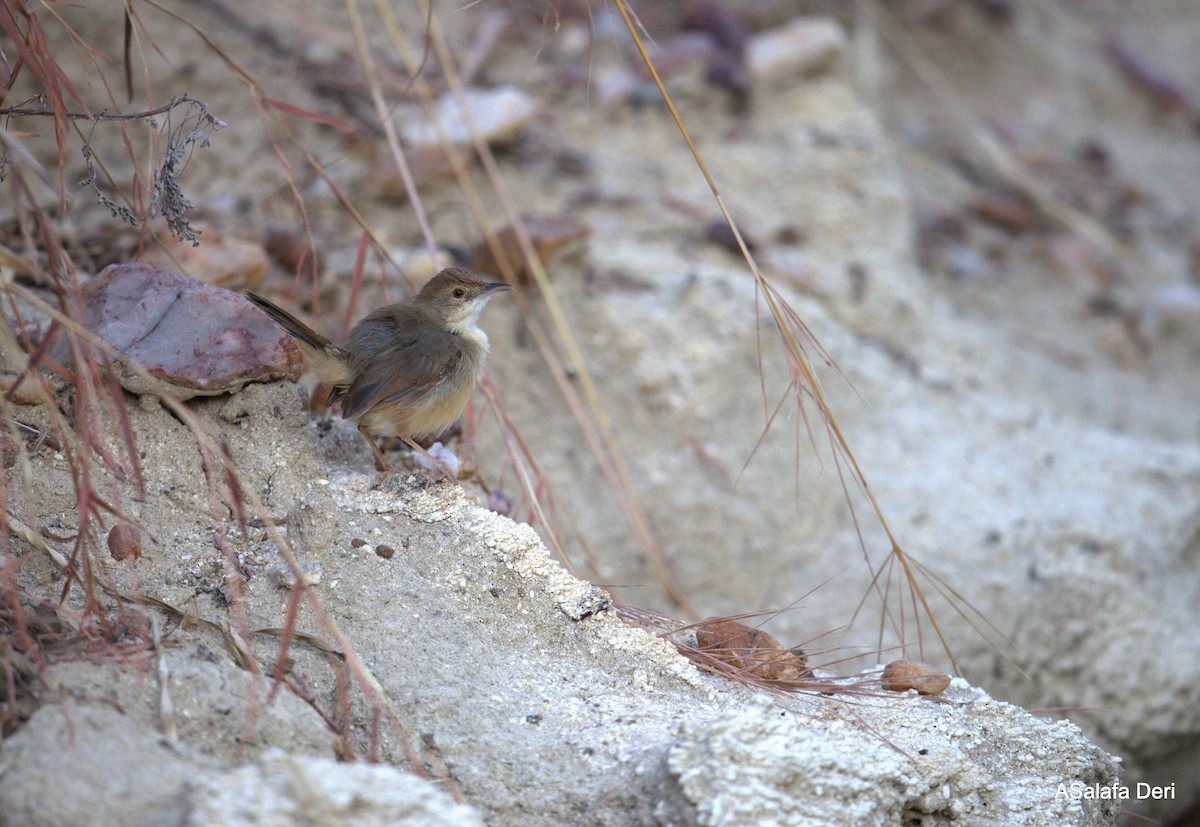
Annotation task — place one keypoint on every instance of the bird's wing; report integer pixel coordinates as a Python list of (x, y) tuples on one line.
[(414, 361)]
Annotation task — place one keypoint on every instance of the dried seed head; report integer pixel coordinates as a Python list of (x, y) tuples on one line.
[(750, 650), (903, 675)]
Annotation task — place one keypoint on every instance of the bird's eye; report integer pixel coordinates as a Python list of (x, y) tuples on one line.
[(459, 292)]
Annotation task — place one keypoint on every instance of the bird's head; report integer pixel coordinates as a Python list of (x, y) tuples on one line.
[(458, 296)]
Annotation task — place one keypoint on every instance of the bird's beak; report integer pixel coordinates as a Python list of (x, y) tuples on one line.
[(495, 287)]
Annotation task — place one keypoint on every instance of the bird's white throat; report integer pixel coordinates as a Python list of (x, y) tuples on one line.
[(467, 324)]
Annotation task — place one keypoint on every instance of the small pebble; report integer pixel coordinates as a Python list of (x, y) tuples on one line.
[(25, 393), (282, 576), (499, 114), (804, 46), (124, 542), (720, 233), (1008, 212), (290, 250)]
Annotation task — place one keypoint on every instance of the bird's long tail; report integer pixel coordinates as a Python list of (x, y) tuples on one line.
[(331, 361)]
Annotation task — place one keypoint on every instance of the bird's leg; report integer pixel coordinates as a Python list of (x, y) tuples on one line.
[(381, 464), (445, 472)]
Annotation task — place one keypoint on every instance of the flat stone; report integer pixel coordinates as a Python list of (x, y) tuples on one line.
[(195, 338)]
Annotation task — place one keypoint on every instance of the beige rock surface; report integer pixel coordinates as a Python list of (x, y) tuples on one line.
[(81, 764), (544, 707)]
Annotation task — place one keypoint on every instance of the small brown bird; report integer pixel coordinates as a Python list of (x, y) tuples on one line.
[(407, 369)]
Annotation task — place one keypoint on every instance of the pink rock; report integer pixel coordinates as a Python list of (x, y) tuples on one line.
[(196, 339)]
